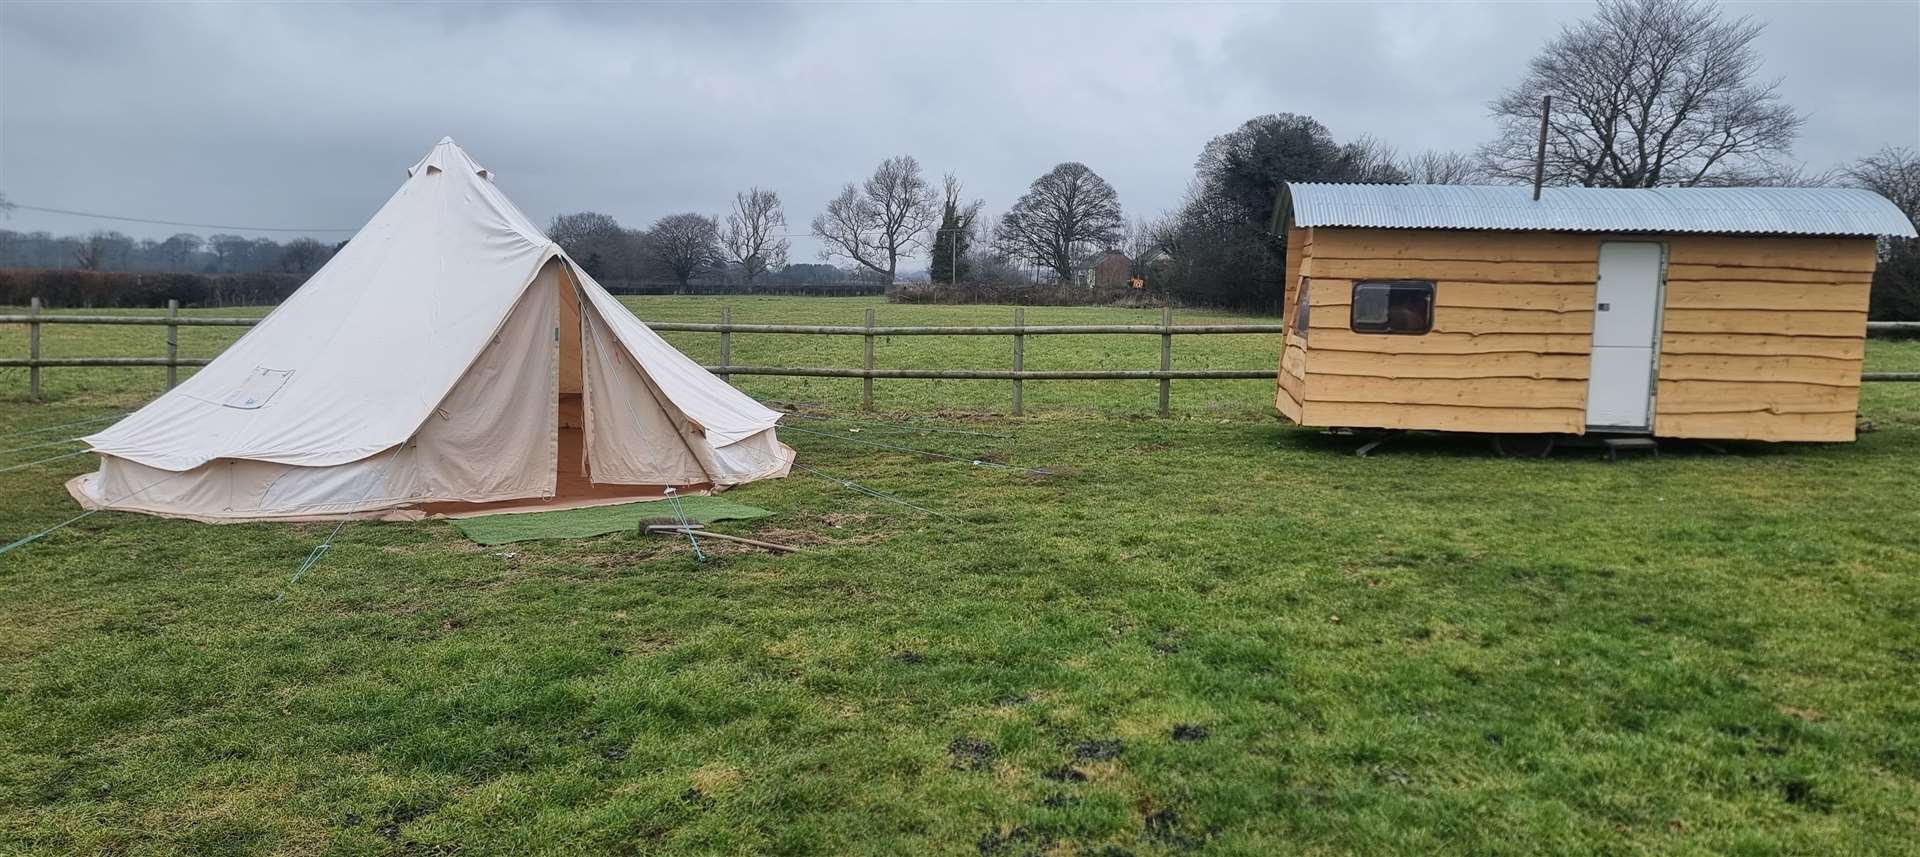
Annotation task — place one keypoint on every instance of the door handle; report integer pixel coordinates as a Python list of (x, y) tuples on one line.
[(1605, 307)]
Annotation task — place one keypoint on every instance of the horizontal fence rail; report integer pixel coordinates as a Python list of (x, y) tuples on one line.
[(867, 372)]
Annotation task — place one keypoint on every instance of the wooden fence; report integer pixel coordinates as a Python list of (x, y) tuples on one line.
[(867, 372)]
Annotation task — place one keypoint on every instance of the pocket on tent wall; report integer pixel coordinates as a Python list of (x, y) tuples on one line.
[(257, 389)]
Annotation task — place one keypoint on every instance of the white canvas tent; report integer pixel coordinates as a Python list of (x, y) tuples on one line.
[(449, 360)]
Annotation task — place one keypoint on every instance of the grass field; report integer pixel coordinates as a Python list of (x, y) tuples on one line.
[(1210, 634)]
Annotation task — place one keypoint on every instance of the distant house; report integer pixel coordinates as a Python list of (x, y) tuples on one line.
[(1109, 271)]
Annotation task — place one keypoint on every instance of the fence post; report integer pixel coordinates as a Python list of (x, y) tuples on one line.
[(726, 340), (173, 343), (1166, 357), (33, 350), (866, 383), (1019, 353)]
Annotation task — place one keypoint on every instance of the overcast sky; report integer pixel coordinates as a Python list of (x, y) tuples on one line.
[(306, 115)]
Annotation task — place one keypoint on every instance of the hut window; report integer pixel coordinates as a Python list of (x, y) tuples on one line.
[(1300, 308), (1392, 306)]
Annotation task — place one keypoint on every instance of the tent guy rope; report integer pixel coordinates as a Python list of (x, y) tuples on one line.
[(978, 462), (862, 489), (43, 461), (61, 426), (23, 542), (320, 550)]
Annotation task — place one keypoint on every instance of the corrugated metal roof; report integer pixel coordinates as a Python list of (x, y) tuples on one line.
[(1767, 210)]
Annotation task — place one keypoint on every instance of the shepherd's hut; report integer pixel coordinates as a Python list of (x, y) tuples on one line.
[(1714, 313)]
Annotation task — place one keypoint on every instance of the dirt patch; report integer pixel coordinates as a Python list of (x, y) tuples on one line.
[(1163, 826), (791, 537), (1064, 774), (1801, 793), (399, 817), (970, 754), (1016, 840), (842, 519), (1098, 750), (1189, 732)]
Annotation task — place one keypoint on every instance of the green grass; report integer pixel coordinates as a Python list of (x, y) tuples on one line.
[(1429, 650)]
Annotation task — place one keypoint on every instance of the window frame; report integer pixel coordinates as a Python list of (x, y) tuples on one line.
[(1302, 309), (1354, 324)]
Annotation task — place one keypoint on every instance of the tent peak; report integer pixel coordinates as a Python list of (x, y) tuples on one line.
[(447, 154)]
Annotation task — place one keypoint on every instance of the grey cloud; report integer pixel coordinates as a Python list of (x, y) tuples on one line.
[(305, 115)]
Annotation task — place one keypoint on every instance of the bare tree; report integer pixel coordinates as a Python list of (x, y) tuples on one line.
[(753, 234), (684, 245), (877, 222), (1372, 160), (1892, 172), (1062, 215), (1436, 167), (1648, 93)]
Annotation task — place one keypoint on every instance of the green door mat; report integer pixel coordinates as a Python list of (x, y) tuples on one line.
[(597, 520)]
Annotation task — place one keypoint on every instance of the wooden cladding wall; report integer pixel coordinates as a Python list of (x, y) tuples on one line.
[(1763, 338), (1512, 329)]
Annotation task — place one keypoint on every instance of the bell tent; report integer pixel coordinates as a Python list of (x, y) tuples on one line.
[(449, 360)]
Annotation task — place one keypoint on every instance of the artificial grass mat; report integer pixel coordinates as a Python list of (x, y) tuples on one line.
[(597, 520)]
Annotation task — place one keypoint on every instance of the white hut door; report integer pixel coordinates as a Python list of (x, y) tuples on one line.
[(1626, 317)]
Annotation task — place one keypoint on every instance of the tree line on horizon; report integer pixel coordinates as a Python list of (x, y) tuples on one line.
[(181, 253)]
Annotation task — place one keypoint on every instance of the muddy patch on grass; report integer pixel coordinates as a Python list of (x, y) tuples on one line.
[(1064, 774), (970, 754), (1098, 750), (1189, 732), (1163, 826), (1011, 841), (399, 817)]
